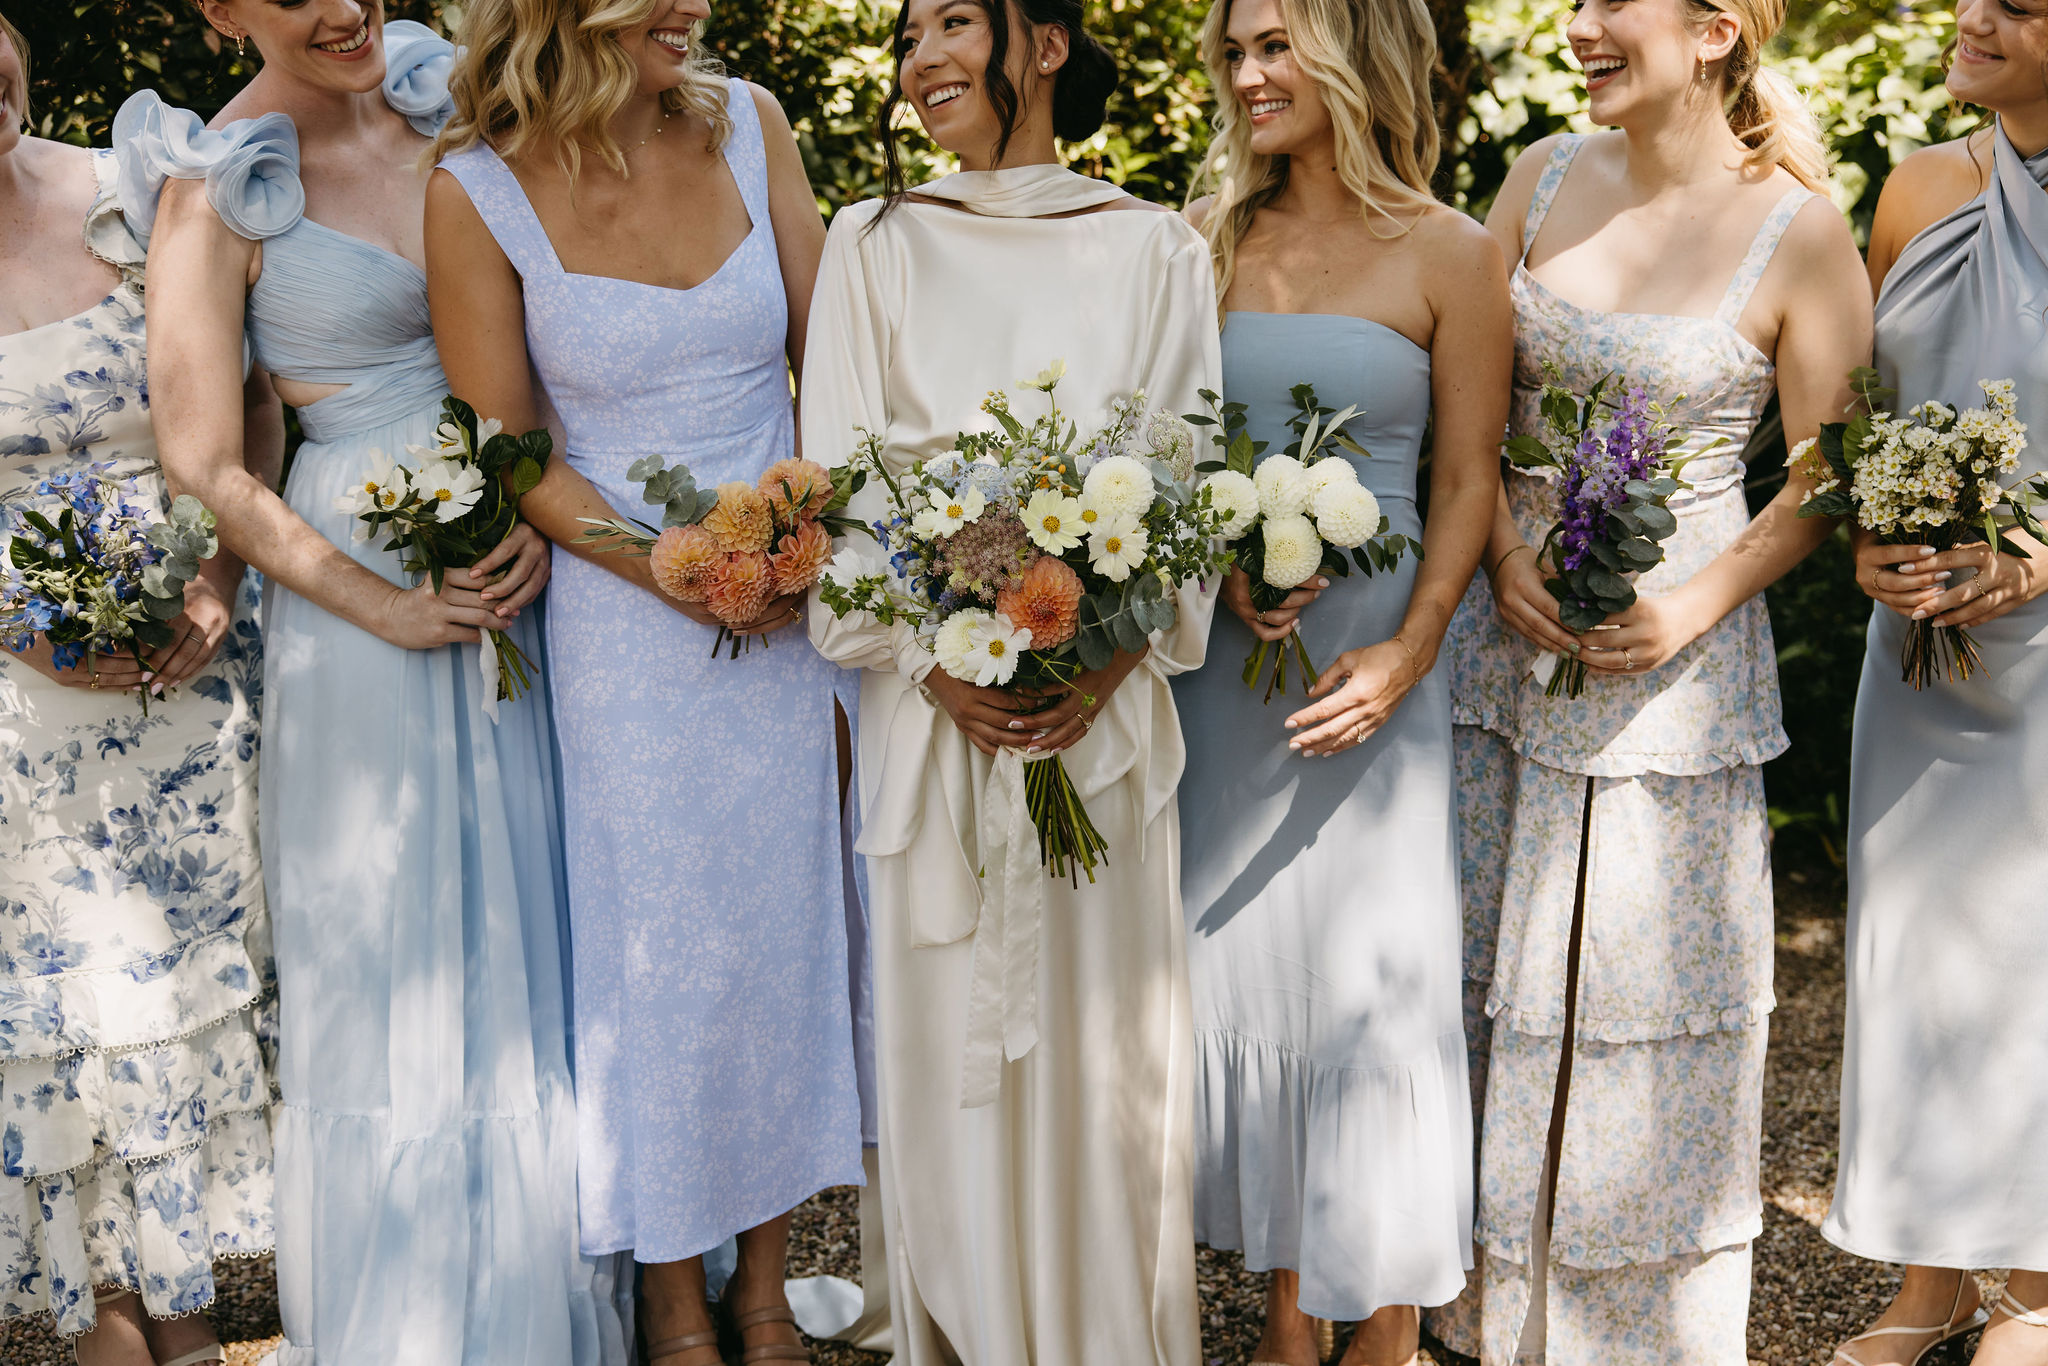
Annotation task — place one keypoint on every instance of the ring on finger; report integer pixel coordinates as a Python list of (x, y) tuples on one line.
[(1628, 660)]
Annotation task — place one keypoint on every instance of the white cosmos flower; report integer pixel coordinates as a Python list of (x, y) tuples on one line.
[(948, 512), (953, 645), (1347, 515), (450, 438), (449, 489), (1284, 486), (1053, 521), (1047, 379), (1119, 486), (1236, 499), (1117, 548), (994, 647), (383, 488), (1293, 550)]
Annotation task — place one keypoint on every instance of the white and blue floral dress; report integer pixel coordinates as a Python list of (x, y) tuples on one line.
[(1657, 778), (135, 968)]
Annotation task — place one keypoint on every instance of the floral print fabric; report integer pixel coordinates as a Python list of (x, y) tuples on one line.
[(134, 946), (1657, 1194)]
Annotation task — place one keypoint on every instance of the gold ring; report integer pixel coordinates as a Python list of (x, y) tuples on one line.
[(1086, 720), (1628, 661)]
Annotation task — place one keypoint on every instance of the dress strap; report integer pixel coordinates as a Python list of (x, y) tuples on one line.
[(501, 202), (1760, 252), (746, 151), (1559, 162)]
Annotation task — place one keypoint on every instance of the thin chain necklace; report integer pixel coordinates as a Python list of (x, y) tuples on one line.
[(659, 129)]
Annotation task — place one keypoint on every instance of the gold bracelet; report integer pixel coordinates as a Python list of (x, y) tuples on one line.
[(1414, 664), (1504, 559)]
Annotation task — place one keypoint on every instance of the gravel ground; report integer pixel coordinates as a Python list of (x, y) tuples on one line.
[(1807, 1295)]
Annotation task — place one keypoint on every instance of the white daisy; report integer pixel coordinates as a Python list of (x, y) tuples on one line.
[(449, 489), (1053, 521), (1117, 548), (994, 648), (948, 512)]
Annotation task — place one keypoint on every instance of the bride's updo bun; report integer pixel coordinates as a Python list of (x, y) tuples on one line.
[(1081, 90)]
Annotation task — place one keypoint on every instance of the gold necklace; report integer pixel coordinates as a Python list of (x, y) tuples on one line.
[(659, 129)]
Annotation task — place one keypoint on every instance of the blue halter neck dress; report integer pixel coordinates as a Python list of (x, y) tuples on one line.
[(412, 849)]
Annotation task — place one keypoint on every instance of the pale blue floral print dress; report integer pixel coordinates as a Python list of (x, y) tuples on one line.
[(1659, 775), (135, 968)]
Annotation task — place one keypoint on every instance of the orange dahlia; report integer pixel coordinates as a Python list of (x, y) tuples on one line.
[(795, 489), (1046, 601), (685, 559), (800, 558), (741, 588), (740, 521)]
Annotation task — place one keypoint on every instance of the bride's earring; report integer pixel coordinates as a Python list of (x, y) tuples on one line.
[(1703, 71)]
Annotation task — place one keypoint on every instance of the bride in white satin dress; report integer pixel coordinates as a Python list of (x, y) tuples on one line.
[(1035, 1130)]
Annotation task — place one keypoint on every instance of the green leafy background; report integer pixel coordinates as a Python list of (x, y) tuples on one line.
[(1871, 70)]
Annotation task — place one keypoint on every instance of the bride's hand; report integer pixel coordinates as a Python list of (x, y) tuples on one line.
[(1065, 722), (988, 717)]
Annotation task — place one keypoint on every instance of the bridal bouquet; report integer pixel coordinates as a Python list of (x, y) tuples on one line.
[(1931, 477), (1027, 556), (737, 548), (1615, 475), (1311, 513), (452, 506), (98, 573)]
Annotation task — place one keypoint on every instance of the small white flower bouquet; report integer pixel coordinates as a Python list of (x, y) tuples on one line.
[(1932, 477), (454, 505), (1028, 556), (1311, 514)]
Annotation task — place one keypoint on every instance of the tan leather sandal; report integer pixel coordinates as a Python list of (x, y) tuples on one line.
[(1935, 1333), (778, 1352), (672, 1347)]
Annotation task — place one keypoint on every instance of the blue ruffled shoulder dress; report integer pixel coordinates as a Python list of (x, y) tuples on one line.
[(426, 1155)]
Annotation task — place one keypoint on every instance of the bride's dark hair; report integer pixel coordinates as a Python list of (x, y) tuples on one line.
[(1080, 92)]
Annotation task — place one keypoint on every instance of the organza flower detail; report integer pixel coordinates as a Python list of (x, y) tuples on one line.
[(1236, 500), (1293, 550), (1046, 601), (994, 649), (685, 559), (449, 489), (1119, 486), (740, 521), (740, 587), (1118, 548), (800, 558), (1284, 486), (795, 489), (946, 513), (1053, 521), (1347, 515)]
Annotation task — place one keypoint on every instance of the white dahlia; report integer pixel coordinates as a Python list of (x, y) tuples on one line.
[(954, 645), (1347, 514), (1284, 487), (1119, 486), (1236, 499), (1293, 550)]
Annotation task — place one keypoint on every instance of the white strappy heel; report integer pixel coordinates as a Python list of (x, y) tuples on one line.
[(1942, 1332), (2019, 1313)]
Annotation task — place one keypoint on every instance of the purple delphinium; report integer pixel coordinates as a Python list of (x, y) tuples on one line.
[(1629, 447)]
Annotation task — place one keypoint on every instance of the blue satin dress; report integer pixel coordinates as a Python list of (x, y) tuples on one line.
[(412, 849)]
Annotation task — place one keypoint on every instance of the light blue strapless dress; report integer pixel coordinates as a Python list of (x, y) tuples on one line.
[(714, 1036), (412, 850), (1332, 1120)]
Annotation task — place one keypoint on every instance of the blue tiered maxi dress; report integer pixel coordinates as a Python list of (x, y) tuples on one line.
[(411, 848), (1331, 1113), (714, 1036)]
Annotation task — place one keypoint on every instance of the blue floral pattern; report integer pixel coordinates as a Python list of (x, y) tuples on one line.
[(1657, 1194), (135, 975)]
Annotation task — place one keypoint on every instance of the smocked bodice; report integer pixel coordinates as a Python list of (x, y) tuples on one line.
[(633, 369), (327, 308)]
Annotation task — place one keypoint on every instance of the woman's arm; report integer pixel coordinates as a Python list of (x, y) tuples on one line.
[(1824, 333), (199, 273), (1472, 352), (799, 231)]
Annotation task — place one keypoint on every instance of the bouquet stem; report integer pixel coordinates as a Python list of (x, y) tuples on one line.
[(1290, 647), (515, 670), (1568, 679), (1932, 653), (1068, 842)]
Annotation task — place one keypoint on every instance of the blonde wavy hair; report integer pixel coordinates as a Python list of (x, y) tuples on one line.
[(554, 73), (1370, 61), (1766, 110), (20, 50)]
